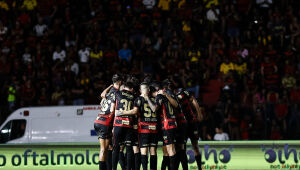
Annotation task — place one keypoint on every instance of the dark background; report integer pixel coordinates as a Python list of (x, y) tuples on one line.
[(249, 47)]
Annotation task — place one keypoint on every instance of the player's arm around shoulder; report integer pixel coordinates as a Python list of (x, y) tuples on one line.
[(170, 98), (105, 91), (151, 103), (133, 111)]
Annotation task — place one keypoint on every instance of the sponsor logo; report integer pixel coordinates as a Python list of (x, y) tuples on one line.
[(283, 155), (271, 155), (222, 156), (52, 158)]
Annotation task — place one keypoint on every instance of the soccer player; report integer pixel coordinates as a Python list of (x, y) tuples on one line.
[(181, 128), (188, 102), (144, 107), (123, 125), (164, 108), (104, 121), (135, 144)]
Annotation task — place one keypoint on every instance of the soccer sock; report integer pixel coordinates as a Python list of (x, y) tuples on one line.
[(129, 157), (133, 162), (153, 162), (137, 158), (122, 160), (165, 162), (144, 160), (183, 158), (177, 160), (172, 162), (102, 165), (109, 160), (115, 157), (199, 161)]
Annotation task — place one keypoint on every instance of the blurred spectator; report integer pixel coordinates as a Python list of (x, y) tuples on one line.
[(3, 31), (4, 5), (295, 95), (245, 126), (233, 113), (59, 54), (240, 58), (220, 134), (11, 99), (57, 97), (294, 29), (240, 67), (43, 99), (27, 56), (149, 4), (209, 3), (294, 123), (226, 66), (258, 128), (40, 28), (164, 5), (96, 53), (28, 94), (124, 53), (264, 3), (29, 4), (78, 93), (275, 134), (84, 54), (288, 81), (232, 20), (213, 14), (281, 110)]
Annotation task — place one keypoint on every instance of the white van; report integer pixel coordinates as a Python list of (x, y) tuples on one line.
[(50, 124)]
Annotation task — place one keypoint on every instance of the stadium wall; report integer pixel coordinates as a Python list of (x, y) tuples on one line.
[(232, 155)]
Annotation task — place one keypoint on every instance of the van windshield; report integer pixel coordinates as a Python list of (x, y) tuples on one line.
[(13, 129)]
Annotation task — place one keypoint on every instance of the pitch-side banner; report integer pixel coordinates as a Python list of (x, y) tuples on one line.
[(233, 155)]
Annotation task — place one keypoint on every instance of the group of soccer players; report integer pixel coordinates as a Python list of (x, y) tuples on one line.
[(134, 117)]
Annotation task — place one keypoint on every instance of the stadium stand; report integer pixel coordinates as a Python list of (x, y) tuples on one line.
[(240, 58)]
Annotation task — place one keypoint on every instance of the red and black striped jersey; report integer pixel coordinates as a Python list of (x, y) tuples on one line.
[(184, 99), (106, 102), (105, 116), (180, 118), (124, 101), (166, 112), (147, 119)]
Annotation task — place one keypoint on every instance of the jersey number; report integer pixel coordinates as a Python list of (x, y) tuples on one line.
[(170, 108), (126, 104), (148, 111), (104, 105)]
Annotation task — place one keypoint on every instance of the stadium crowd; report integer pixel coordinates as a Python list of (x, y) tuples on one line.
[(239, 58)]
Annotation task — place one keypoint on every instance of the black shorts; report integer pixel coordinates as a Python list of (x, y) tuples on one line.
[(169, 136), (103, 132), (160, 136), (123, 135), (192, 131), (148, 140), (181, 134)]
